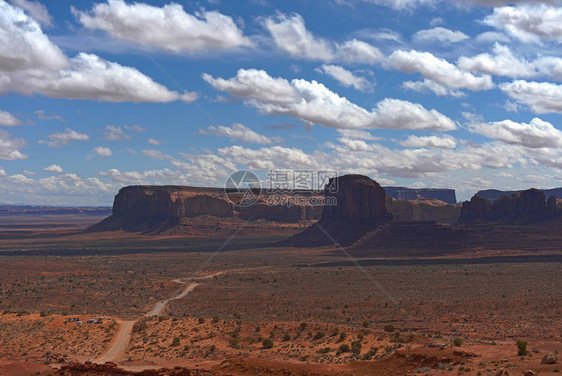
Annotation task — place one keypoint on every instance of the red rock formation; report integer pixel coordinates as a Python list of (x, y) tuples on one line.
[(529, 206), (478, 209), (157, 208), (359, 208)]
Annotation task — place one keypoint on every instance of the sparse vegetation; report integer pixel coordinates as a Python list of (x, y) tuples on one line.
[(522, 348)]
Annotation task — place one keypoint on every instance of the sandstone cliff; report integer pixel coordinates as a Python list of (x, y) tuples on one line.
[(423, 210), (360, 207), (157, 208), (403, 193), (528, 206)]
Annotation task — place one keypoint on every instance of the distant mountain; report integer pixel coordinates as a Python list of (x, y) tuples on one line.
[(52, 210), (403, 193), (494, 194)]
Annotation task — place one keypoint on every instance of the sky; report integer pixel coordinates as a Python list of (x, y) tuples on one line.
[(97, 95)]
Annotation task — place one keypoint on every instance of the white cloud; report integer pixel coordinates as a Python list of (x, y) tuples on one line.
[(345, 77), (529, 23), (57, 139), (492, 37), (153, 141), (356, 134), (237, 132), (135, 128), (440, 34), (2, 172), (41, 115), (541, 97), (504, 63), (8, 120), (290, 35), (36, 10), (441, 142), (438, 70), (155, 154), (103, 151), (54, 168), (434, 87), (536, 134), (169, 27), (270, 158), (31, 63), (314, 103), (115, 133), (10, 146), (411, 4)]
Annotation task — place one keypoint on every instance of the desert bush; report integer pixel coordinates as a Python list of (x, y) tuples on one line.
[(356, 347), (267, 343), (286, 337), (318, 335), (343, 349), (458, 341), (324, 350), (522, 348), (366, 323), (389, 328), (176, 341), (200, 320), (342, 337)]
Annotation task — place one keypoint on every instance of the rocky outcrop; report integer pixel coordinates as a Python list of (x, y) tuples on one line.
[(403, 193), (423, 210), (155, 209), (528, 206), (358, 206), (478, 209), (494, 194)]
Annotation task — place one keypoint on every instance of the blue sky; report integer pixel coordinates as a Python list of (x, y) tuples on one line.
[(421, 93)]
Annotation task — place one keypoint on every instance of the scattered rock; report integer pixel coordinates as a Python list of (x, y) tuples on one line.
[(529, 373), (549, 359)]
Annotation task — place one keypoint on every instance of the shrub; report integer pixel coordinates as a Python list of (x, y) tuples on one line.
[(324, 350), (343, 349), (318, 335), (342, 337), (286, 337), (389, 328), (176, 341), (356, 347), (267, 343), (457, 341), (366, 323), (522, 348), (200, 320)]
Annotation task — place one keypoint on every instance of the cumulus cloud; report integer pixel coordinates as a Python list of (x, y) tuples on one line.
[(314, 103), (441, 142), (357, 134), (541, 97), (8, 120), (290, 34), (54, 168), (10, 146), (409, 4), (536, 134), (103, 151), (440, 34), (115, 133), (153, 141), (270, 158), (36, 10), (168, 27), (69, 135), (31, 63), (237, 132), (529, 23), (428, 85), (155, 154), (345, 77), (438, 70), (504, 63)]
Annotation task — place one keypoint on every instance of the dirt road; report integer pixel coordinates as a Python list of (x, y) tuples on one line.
[(123, 336)]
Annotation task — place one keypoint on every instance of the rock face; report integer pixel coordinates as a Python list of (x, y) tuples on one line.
[(478, 209), (423, 210), (359, 208), (529, 206), (158, 208), (403, 193), (494, 194)]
